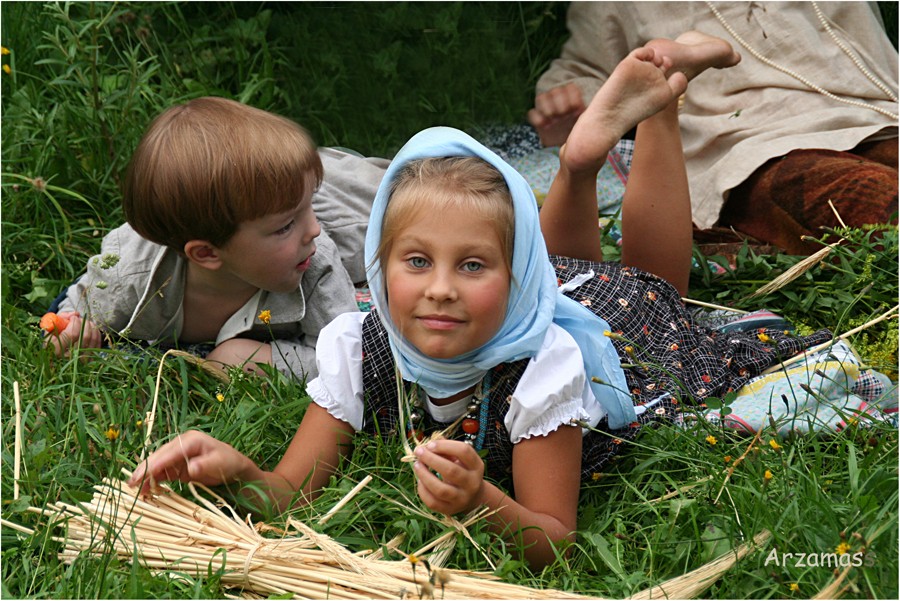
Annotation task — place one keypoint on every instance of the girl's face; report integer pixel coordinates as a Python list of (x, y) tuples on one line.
[(447, 282)]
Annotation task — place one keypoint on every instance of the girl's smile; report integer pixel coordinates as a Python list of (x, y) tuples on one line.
[(447, 282), (440, 322)]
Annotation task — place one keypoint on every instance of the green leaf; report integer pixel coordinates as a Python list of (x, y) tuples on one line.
[(601, 545)]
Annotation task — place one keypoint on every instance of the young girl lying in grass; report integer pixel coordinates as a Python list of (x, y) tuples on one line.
[(468, 309)]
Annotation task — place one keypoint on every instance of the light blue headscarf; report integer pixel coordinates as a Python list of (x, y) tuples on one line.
[(534, 300)]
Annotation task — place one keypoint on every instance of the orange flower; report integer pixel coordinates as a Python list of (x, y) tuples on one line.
[(53, 323)]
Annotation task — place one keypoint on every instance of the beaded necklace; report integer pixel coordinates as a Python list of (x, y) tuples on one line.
[(857, 62), (473, 423)]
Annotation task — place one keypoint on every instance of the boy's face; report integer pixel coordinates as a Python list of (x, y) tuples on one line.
[(273, 252), (447, 282)]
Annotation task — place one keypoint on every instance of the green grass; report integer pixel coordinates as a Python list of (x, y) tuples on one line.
[(87, 78)]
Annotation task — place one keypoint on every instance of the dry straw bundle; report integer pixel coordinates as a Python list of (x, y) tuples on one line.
[(171, 534)]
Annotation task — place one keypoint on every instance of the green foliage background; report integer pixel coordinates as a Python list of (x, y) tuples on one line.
[(84, 81)]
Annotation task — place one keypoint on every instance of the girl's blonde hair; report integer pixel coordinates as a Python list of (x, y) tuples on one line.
[(431, 184)]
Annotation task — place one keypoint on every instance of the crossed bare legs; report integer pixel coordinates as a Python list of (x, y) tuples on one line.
[(656, 211)]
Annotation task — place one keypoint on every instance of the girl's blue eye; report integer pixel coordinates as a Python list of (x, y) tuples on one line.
[(418, 262), (472, 266)]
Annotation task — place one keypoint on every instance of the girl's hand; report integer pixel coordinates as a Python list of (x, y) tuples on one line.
[(193, 457), (79, 332), (459, 485)]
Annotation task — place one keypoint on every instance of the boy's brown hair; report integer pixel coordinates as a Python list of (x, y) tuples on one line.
[(204, 167)]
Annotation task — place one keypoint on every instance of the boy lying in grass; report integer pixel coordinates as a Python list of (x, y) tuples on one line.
[(222, 245)]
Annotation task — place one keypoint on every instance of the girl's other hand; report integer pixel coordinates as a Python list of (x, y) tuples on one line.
[(451, 476), (193, 457)]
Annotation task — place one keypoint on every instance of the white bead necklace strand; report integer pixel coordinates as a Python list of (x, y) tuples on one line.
[(805, 81), (856, 60)]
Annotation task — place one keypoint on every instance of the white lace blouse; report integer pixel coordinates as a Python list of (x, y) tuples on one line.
[(553, 389)]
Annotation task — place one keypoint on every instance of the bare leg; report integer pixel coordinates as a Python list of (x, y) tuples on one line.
[(637, 89), (656, 211)]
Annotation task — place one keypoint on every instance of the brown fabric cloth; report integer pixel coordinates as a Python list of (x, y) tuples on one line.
[(787, 198)]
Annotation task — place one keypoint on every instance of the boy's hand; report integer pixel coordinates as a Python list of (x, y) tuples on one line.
[(79, 332), (457, 485), (555, 113), (193, 457)]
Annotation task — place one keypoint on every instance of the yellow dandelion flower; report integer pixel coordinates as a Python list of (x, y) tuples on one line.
[(763, 337), (7, 69), (4, 50), (265, 316), (768, 475), (727, 458), (596, 476), (413, 559), (774, 444), (794, 587), (711, 439), (139, 423), (111, 434), (220, 397), (842, 548)]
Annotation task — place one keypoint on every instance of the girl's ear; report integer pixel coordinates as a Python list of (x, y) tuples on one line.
[(202, 254)]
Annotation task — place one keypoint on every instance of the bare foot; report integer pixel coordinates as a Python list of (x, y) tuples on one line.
[(637, 89), (694, 52)]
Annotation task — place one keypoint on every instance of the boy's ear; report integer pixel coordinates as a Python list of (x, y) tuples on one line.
[(203, 254)]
